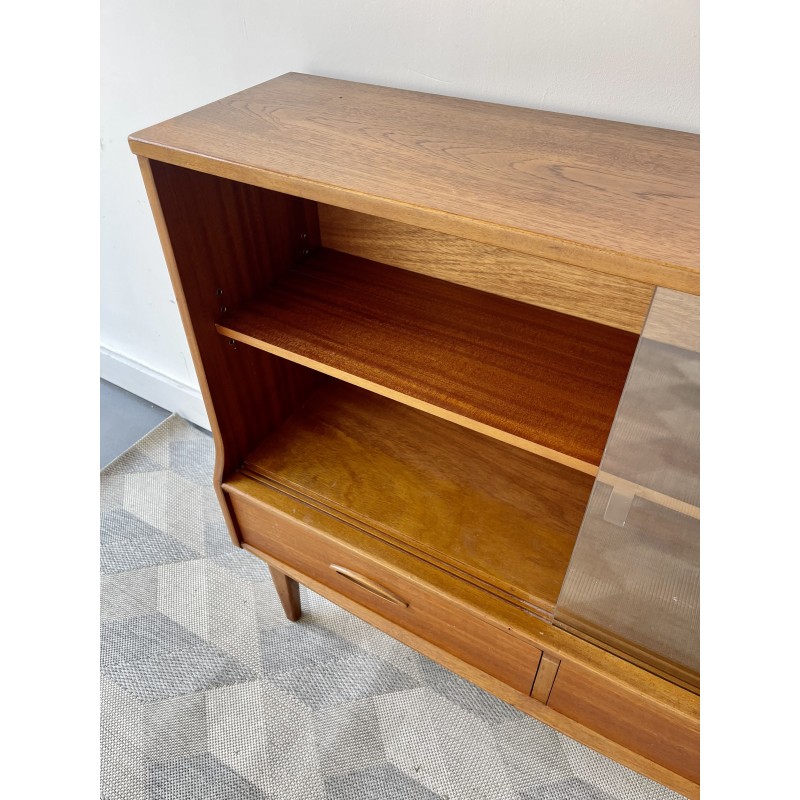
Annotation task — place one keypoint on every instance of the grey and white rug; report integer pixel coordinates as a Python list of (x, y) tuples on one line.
[(208, 691)]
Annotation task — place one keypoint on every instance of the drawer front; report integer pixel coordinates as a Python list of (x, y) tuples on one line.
[(629, 718), (375, 584)]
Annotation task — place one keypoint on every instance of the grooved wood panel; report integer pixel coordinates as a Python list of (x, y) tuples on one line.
[(497, 515), (226, 241), (422, 609), (541, 380), (609, 196), (599, 297), (628, 718)]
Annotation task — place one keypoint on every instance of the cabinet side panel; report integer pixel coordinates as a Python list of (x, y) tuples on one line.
[(223, 242)]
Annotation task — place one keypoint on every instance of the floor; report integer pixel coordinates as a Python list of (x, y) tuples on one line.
[(124, 419)]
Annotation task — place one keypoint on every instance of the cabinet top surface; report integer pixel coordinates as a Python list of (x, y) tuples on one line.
[(607, 195)]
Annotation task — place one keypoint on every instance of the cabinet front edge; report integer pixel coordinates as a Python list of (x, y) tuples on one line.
[(673, 276)]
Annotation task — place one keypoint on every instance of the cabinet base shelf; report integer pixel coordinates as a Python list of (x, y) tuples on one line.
[(498, 516)]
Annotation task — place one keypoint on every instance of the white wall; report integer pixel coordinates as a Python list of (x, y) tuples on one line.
[(629, 60)]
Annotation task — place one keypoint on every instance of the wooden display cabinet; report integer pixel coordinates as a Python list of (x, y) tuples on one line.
[(412, 319)]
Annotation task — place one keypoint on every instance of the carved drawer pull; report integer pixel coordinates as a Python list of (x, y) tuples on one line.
[(370, 586)]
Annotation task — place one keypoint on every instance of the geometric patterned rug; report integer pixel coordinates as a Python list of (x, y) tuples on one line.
[(208, 691)]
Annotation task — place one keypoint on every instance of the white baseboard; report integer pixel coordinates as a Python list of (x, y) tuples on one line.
[(153, 386)]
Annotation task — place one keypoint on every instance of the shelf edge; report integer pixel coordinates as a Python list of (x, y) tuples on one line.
[(680, 277)]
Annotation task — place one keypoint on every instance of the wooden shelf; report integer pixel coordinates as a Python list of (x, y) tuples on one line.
[(498, 516), (538, 379)]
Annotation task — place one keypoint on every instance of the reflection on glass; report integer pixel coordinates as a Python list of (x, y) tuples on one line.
[(633, 581)]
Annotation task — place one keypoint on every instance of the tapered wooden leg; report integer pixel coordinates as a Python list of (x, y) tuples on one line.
[(288, 592)]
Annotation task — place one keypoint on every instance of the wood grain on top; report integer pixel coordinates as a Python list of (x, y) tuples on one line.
[(544, 381), (609, 196)]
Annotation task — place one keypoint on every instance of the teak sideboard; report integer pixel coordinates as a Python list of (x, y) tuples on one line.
[(449, 351)]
